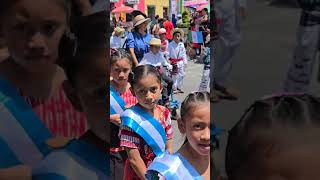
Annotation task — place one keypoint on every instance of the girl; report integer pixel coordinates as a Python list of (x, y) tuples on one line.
[(192, 161), (121, 64), (146, 129), (178, 58), (34, 31), (276, 138), (84, 158)]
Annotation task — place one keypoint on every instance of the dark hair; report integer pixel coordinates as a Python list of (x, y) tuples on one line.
[(121, 54), (6, 5), (192, 100), (285, 111), (142, 71), (177, 32)]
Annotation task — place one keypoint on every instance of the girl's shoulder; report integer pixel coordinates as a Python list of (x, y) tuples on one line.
[(164, 111)]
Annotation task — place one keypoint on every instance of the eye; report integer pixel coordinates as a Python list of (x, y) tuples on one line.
[(21, 27), (154, 89), (49, 28)]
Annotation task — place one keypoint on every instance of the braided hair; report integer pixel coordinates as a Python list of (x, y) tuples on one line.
[(252, 133)]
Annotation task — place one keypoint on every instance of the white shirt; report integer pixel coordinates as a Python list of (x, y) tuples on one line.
[(115, 42), (156, 60), (177, 51)]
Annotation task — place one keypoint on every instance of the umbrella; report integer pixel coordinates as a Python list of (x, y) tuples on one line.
[(195, 3), (122, 9), (201, 7)]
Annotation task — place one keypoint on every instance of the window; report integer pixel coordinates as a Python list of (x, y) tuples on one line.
[(151, 11), (165, 12)]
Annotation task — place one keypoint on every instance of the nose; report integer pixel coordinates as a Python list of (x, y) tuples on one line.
[(206, 135), (37, 41), (121, 74), (149, 95)]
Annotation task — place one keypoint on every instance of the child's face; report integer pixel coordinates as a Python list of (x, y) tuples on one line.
[(148, 90), (155, 49), (196, 126), (162, 36), (177, 37), (91, 88), (120, 71), (290, 157), (32, 30)]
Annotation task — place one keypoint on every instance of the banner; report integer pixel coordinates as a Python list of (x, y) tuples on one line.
[(197, 37)]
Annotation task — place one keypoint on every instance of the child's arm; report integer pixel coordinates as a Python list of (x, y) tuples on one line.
[(115, 119), (136, 162), (169, 146)]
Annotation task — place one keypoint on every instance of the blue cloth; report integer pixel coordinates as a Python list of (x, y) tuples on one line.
[(140, 44), (174, 22), (78, 160)]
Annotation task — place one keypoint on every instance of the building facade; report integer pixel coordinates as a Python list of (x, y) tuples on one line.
[(156, 7)]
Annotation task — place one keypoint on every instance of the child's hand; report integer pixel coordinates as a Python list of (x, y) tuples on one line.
[(128, 106), (115, 119)]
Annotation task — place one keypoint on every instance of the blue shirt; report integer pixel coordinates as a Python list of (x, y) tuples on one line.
[(140, 44)]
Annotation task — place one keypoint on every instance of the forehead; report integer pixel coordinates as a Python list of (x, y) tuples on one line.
[(199, 112), (39, 9), (147, 81), (122, 63), (293, 156)]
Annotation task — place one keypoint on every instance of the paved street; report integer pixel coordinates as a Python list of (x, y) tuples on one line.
[(191, 83), (261, 63)]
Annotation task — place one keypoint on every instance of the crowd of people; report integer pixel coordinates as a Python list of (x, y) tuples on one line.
[(146, 69)]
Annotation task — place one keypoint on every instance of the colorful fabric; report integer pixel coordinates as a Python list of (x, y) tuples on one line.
[(130, 139)]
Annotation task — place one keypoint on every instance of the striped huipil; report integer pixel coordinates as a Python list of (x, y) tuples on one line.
[(58, 115)]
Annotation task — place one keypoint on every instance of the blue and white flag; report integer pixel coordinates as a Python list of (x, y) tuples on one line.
[(22, 134), (197, 37), (77, 161), (117, 104), (173, 167), (147, 127)]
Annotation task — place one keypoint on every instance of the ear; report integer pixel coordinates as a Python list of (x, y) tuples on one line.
[(72, 96), (181, 126)]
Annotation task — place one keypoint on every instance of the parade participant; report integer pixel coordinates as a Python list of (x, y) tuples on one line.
[(204, 84), (84, 158), (167, 24), (164, 42), (192, 161), (273, 131), (138, 40), (115, 40), (229, 12), (32, 66), (178, 58), (120, 96), (146, 129), (299, 75), (156, 59)]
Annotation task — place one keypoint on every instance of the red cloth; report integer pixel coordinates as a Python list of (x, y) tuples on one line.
[(169, 27), (129, 138), (58, 115)]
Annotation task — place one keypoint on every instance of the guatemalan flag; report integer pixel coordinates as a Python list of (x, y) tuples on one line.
[(197, 37)]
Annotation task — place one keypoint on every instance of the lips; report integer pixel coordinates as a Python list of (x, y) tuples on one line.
[(204, 147)]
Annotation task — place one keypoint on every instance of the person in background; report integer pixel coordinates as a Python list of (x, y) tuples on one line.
[(169, 27), (138, 39), (164, 43), (155, 58), (115, 40), (120, 22), (174, 20), (179, 20)]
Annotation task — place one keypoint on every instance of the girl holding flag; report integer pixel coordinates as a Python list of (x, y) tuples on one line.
[(192, 161), (120, 98), (146, 129)]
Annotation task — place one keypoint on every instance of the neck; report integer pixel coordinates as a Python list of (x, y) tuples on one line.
[(199, 162), (119, 88), (176, 41), (150, 111)]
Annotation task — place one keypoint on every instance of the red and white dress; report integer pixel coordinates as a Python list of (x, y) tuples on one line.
[(130, 139), (58, 115)]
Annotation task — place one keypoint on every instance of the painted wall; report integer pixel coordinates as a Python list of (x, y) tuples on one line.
[(139, 6), (158, 4)]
